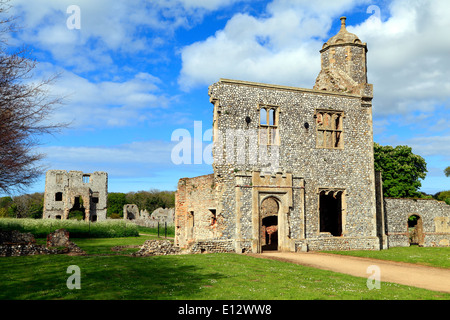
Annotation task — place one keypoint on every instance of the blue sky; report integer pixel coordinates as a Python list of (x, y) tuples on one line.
[(137, 70)]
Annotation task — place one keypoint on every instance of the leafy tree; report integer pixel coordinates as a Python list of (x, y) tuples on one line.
[(27, 206), (401, 171), (443, 196), (447, 172), (116, 201)]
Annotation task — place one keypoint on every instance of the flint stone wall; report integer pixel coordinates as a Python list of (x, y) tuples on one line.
[(435, 217), (157, 248)]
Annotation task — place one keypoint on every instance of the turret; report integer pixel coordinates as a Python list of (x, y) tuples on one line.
[(344, 65)]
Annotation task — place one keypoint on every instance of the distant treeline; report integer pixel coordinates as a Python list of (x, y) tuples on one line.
[(32, 205)]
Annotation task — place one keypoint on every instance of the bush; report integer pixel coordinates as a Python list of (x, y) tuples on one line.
[(443, 196), (77, 229)]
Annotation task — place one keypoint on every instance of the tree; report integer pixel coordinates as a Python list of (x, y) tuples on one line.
[(27, 206), (401, 170), (116, 201), (25, 105), (443, 196), (447, 172)]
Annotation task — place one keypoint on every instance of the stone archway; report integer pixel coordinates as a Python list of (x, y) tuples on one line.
[(415, 230), (269, 223)]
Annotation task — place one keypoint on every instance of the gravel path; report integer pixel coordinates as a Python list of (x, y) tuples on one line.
[(430, 278)]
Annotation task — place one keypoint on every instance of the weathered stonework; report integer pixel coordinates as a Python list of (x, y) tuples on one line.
[(293, 168), (434, 222), (161, 216), (75, 190)]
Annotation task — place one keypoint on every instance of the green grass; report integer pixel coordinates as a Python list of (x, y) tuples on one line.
[(154, 231), (433, 257), (77, 229), (117, 276)]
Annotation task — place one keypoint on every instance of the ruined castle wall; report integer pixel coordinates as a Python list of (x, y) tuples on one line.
[(195, 200), (435, 217)]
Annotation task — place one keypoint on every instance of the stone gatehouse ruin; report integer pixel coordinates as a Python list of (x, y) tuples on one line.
[(66, 192), (294, 169)]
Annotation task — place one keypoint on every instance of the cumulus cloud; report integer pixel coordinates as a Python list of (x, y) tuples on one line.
[(408, 56), (281, 46), (107, 27), (105, 103), (407, 59)]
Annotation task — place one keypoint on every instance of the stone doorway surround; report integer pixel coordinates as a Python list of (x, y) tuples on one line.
[(277, 187)]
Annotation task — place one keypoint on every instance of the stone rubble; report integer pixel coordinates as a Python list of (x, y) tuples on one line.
[(157, 248), (14, 243)]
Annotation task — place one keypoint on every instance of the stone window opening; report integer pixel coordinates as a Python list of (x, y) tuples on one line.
[(86, 178), (330, 211), (268, 125), (329, 129), (213, 217), (190, 225), (58, 196), (94, 197)]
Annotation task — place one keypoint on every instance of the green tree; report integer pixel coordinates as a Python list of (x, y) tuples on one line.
[(447, 172), (116, 201), (401, 171), (443, 196), (152, 200)]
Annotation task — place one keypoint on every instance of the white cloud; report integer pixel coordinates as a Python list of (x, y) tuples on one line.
[(106, 103), (431, 146), (107, 27), (279, 47), (408, 56), (407, 59)]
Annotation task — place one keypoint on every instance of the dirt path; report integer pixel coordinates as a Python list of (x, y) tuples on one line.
[(430, 278)]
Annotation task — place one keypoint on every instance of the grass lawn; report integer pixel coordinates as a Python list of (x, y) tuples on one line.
[(110, 275), (433, 257)]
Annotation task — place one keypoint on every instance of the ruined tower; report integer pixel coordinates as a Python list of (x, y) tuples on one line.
[(66, 192)]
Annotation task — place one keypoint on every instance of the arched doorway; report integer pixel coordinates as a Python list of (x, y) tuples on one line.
[(78, 211), (415, 230), (269, 224)]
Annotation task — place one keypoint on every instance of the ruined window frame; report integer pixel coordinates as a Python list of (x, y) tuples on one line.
[(343, 206), (269, 132), (329, 135), (86, 178)]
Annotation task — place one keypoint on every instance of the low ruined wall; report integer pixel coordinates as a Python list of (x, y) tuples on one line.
[(338, 244), (435, 216), (213, 246)]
